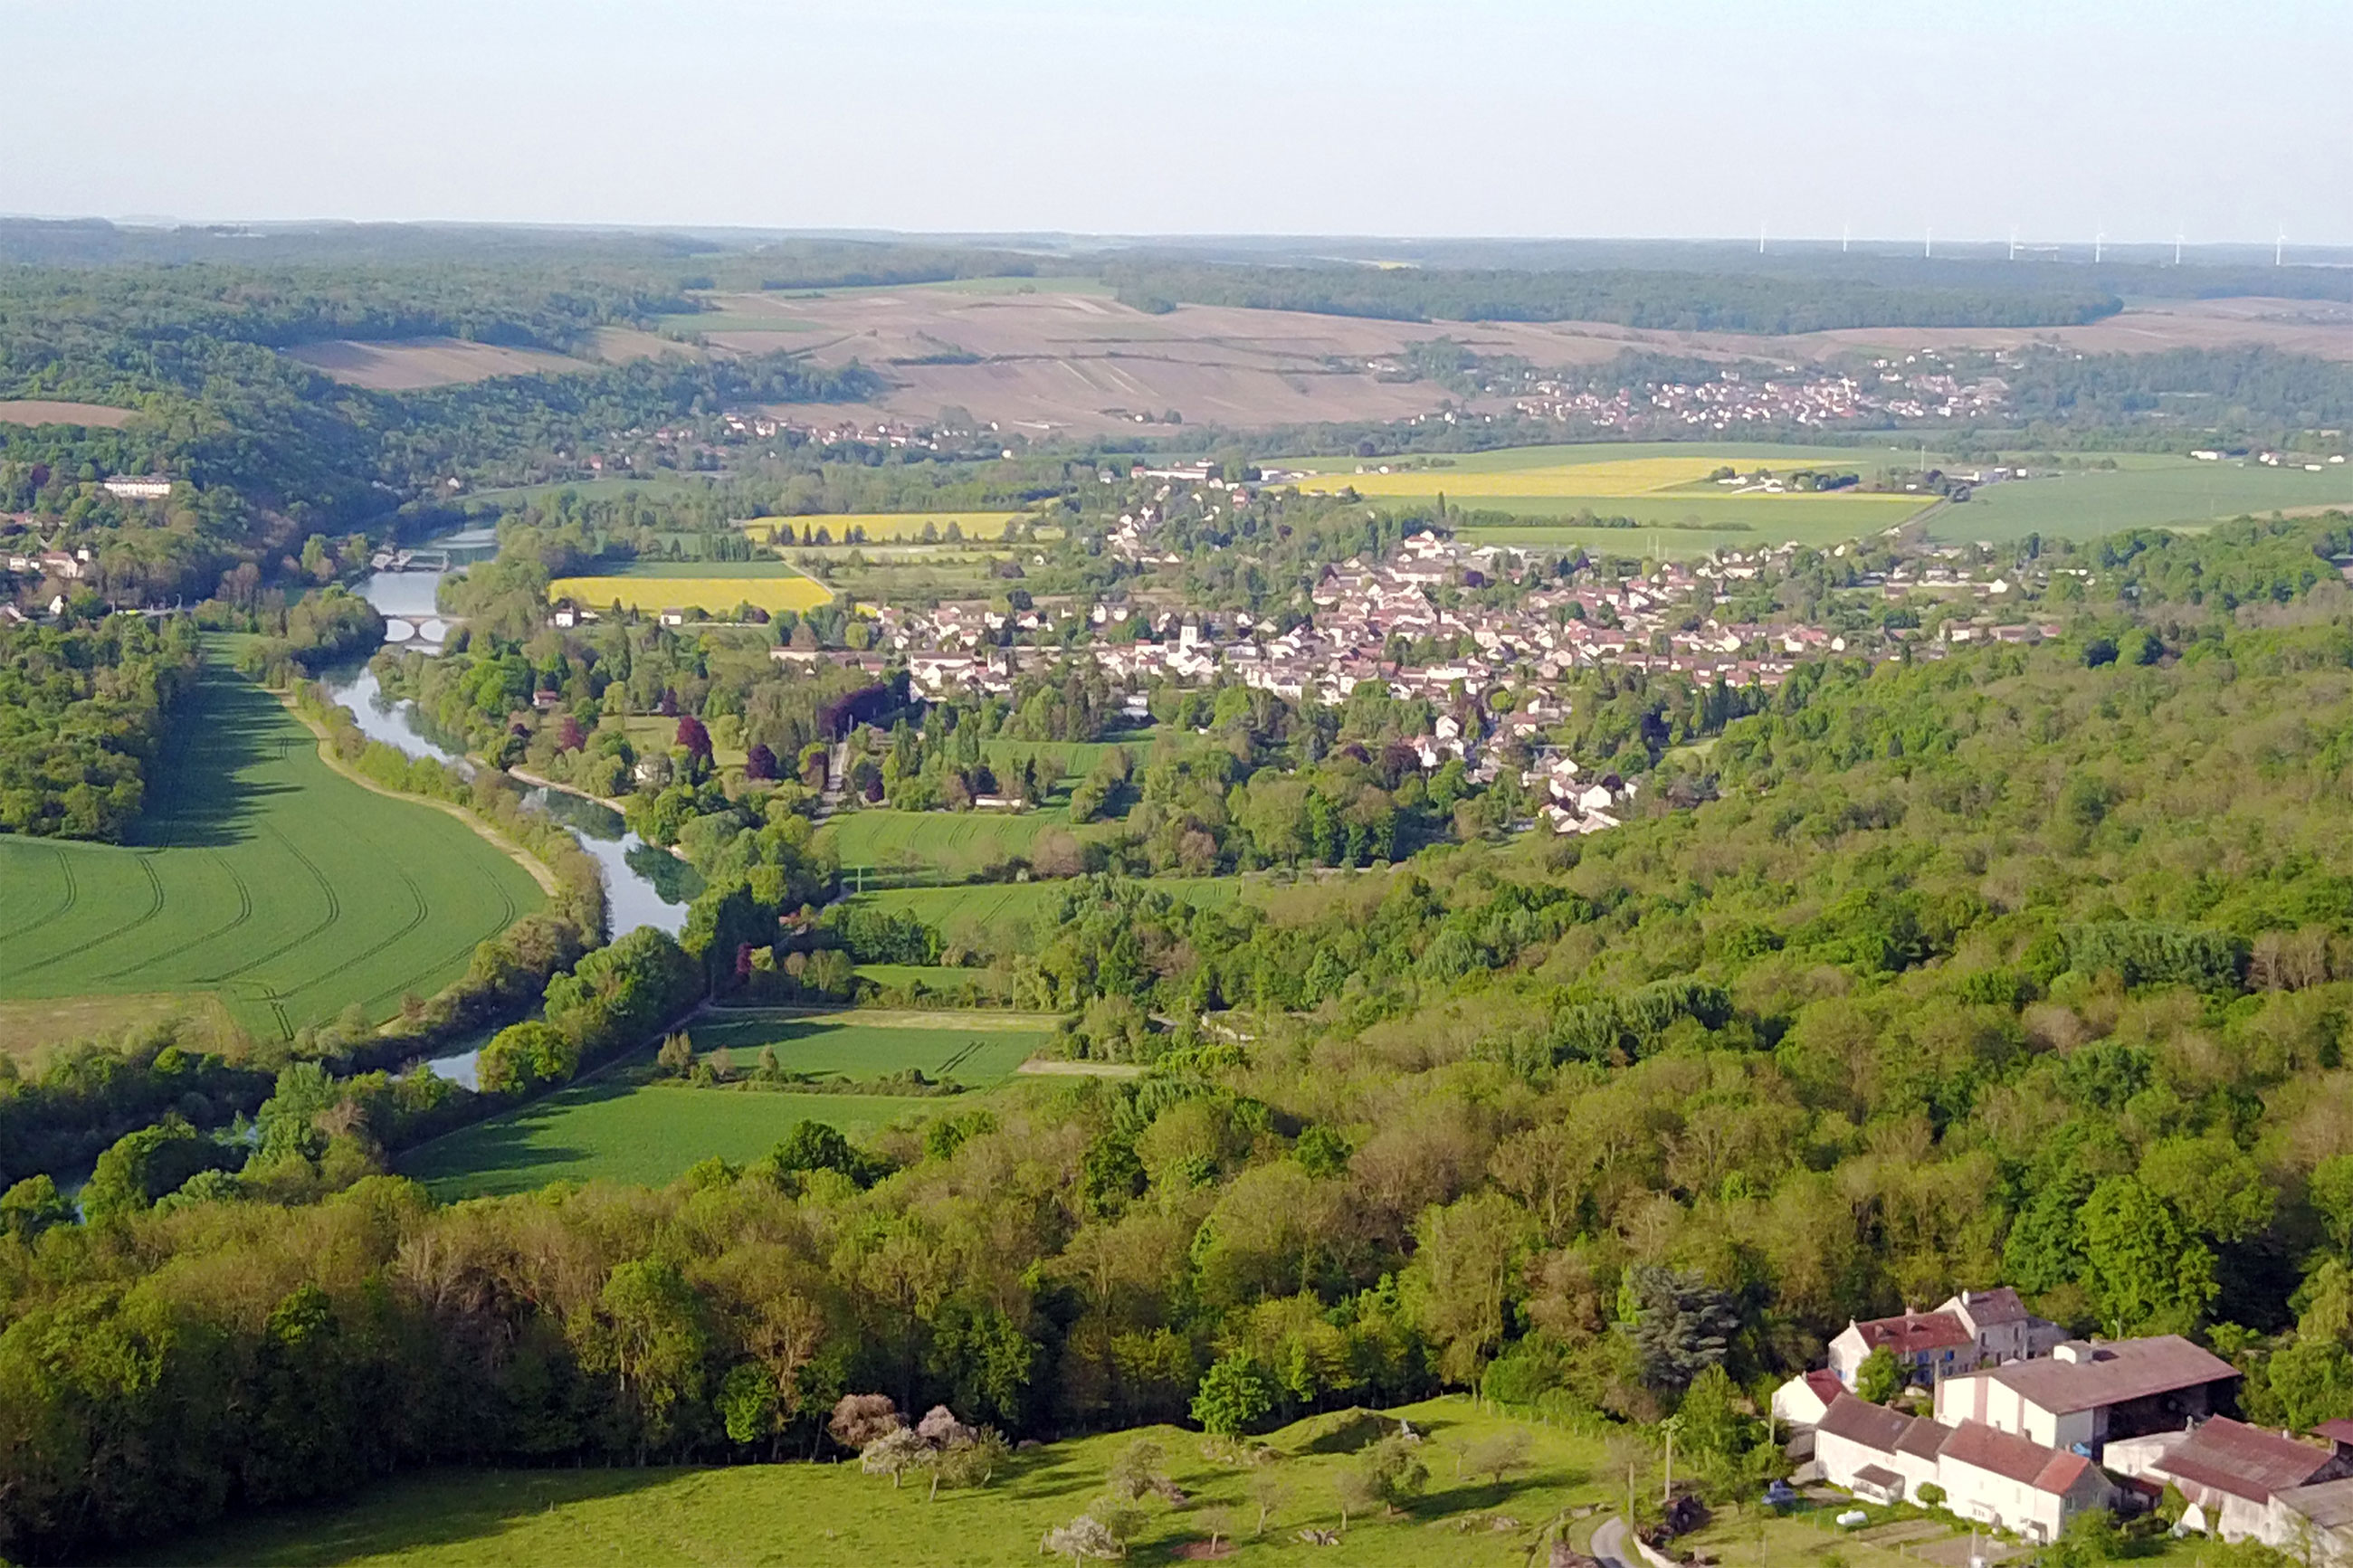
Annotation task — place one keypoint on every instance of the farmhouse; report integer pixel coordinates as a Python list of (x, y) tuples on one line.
[(1973, 1328), (2089, 1392), (2315, 1522), (1996, 1477), (144, 486), (1803, 1400)]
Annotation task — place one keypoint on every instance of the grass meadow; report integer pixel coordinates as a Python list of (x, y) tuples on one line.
[(991, 909), (977, 1049), (834, 1516), (911, 846), (607, 1129), (2153, 492), (266, 888)]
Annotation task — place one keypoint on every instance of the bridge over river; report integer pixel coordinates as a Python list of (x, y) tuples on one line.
[(429, 628)]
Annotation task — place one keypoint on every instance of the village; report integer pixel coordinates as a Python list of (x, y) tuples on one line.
[(1495, 676), (1980, 1408), (1890, 390)]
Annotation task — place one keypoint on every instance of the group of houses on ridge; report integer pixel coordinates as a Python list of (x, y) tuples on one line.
[(2028, 1429)]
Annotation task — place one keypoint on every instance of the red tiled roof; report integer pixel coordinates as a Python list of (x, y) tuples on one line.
[(2021, 1460), (1827, 1387), (2111, 1373), (2245, 1461), (1914, 1332), (2335, 1431)]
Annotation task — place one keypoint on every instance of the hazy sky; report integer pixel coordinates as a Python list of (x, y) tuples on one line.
[(1673, 118)]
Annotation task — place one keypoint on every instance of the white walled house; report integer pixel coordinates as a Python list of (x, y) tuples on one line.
[(2012, 1483), (2229, 1471)]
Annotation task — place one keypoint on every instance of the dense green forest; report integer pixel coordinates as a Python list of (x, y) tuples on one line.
[(81, 720), (2026, 964), (1658, 300)]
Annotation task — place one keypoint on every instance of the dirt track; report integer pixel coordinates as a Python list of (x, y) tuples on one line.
[(36, 410)]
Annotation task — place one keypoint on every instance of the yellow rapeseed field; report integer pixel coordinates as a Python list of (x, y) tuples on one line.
[(880, 525), (1569, 482), (716, 595)]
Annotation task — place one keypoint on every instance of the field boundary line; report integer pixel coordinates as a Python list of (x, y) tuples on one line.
[(515, 852)]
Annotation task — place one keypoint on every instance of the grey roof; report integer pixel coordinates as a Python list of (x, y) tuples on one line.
[(2328, 1504), (1860, 1421), (1989, 1308), (2111, 1373), (2245, 1461)]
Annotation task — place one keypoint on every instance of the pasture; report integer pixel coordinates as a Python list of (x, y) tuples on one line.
[(264, 885), (607, 1129), (834, 1516), (716, 588), (935, 846), (843, 528), (2150, 492), (977, 1049)]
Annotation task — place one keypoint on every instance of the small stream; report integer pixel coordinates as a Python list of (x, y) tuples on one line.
[(644, 884)]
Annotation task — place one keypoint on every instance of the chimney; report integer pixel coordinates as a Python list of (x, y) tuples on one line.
[(2073, 1352)]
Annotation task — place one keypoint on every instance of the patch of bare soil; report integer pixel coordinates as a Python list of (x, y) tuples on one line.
[(411, 364), (38, 411)]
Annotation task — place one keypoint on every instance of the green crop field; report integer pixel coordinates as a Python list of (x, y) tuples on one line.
[(608, 1128), (834, 1516), (265, 883), (977, 1049), (935, 846), (2147, 493)]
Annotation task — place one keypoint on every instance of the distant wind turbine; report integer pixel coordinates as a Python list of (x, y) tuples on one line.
[(2099, 244), (2013, 244), (2176, 248), (2279, 248), (1846, 237), (1928, 244)]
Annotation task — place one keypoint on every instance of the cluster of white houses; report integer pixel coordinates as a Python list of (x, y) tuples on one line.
[(2028, 1429)]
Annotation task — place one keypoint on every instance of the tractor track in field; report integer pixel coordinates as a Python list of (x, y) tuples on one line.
[(244, 913), (334, 913), (65, 905), (420, 915), (155, 907), (506, 918)]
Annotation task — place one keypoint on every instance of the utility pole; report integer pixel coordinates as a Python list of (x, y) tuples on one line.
[(1667, 1487)]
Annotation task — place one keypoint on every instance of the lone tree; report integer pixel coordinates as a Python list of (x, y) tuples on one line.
[(894, 1454), (1878, 1377), (1232, 1396), (1084, 1539)]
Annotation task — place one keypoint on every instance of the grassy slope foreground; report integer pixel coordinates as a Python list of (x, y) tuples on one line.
[(263, 879), (821, 1516)]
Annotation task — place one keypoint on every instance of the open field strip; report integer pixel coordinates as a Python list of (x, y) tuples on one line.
[(992, 907), (607, 1129), (265, 883), (884, 525), (948, 844), (1746, 456), (1599, 480), (974, 1049), (2143, 494), (47, 411), (715, 589), (833, 1516)]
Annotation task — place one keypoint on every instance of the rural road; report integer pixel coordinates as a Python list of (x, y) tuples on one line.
[(1609, 1547)]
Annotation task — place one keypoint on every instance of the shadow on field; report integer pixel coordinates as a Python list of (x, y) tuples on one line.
[(503, 1147), (412, 1514), (218, 745)]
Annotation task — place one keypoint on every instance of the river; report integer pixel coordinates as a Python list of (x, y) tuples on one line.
[(644, 885)]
